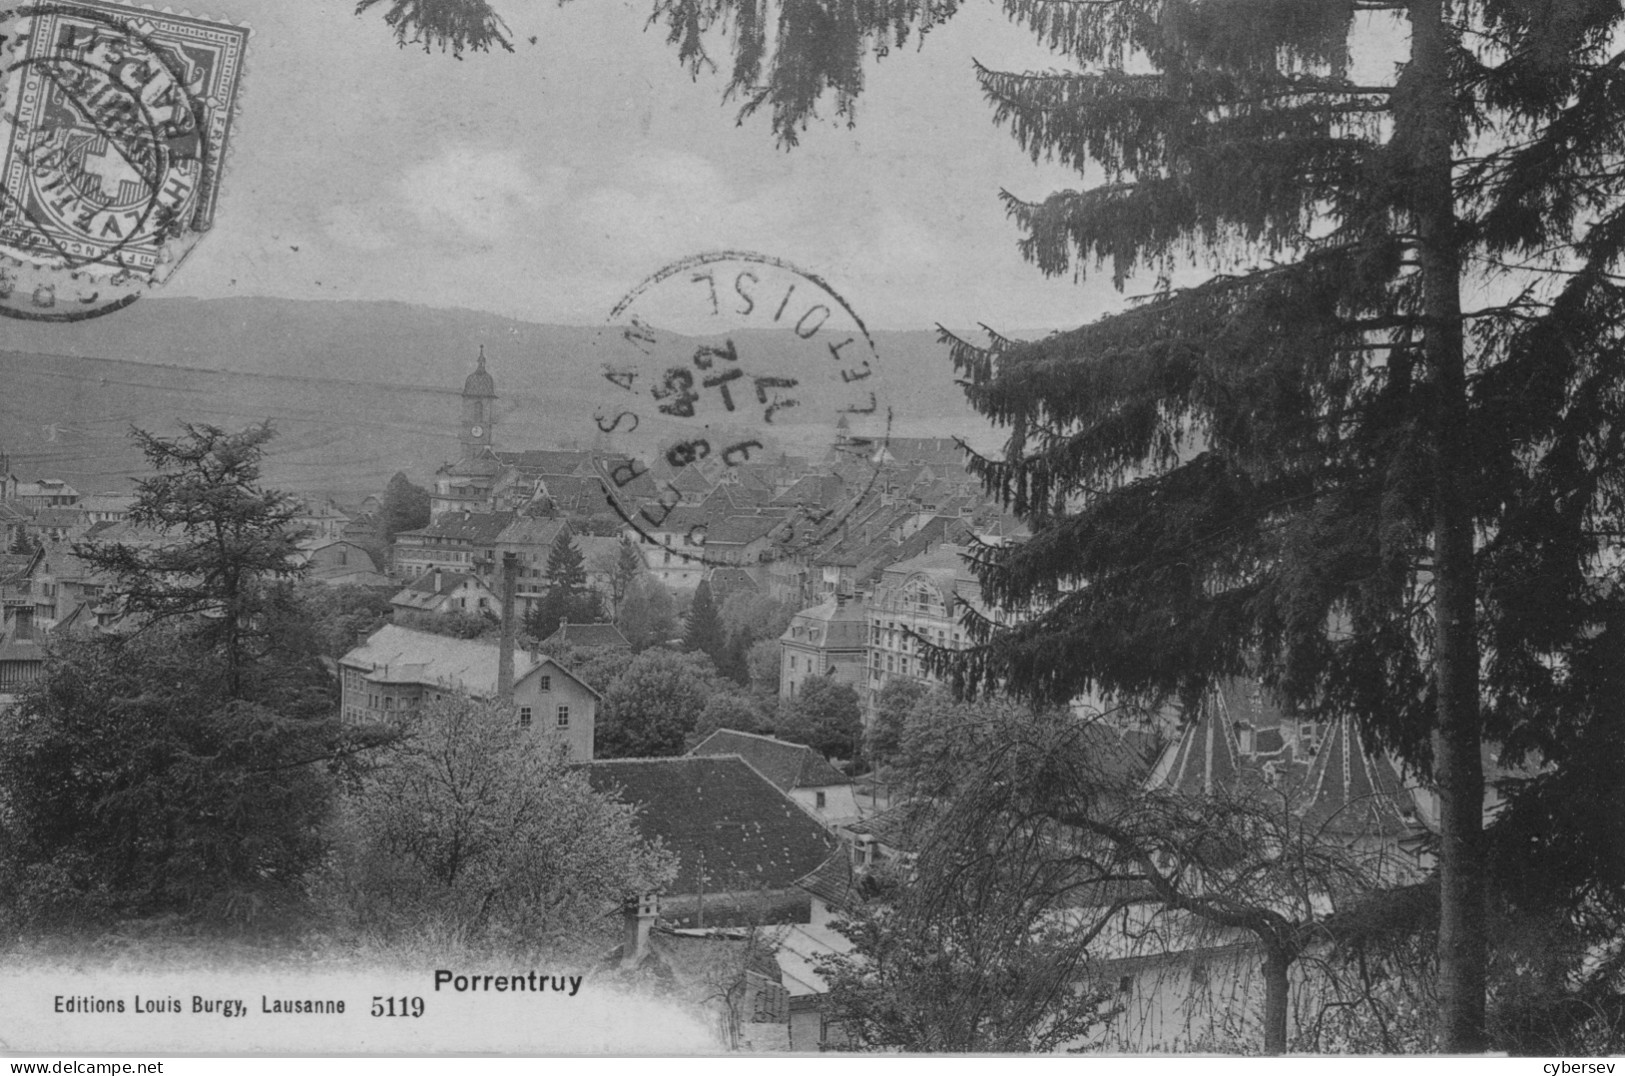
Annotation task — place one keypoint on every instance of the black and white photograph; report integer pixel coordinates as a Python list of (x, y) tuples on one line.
[(688, 528)]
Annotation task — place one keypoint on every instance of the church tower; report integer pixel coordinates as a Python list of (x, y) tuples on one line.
[(479, 410)]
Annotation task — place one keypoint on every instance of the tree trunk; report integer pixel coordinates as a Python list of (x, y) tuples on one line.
[(1457, 769), (1276, 963)]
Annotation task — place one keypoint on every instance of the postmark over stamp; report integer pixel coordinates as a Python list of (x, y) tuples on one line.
[(728, 359), (114, 126)]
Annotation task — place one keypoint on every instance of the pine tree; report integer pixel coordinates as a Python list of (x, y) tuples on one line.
[(1318, 467), (223, 540), (568, 598), (627, 567), (702, 627)]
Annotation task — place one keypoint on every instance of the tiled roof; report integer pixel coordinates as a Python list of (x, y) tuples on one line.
[(740, 530), (531, 530), (1206, 760), (833, 882), (787, 765), (548, 462), (679, 520), (939, 450), (422, 657), (719, 815), (58, 517), (901, 827), (589, 635), (1349, 790), (480, 528), (13, 649), (689, 480), (15, 564), (435, 585), (823, 490)]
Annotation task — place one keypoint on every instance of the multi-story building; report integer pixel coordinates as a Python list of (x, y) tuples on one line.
[(398, 669), (915, 601), (460, 542), (830, 639)]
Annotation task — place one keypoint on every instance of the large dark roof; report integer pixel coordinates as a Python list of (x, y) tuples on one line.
[(787, 765), (549, 461), (586, 635), (834, 882), (720, 815), (481, 528), (1350, 790), (902, 827)]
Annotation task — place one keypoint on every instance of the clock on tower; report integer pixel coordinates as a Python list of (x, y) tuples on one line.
[(479, 401)]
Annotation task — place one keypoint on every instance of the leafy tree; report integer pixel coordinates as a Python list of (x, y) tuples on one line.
[(648, 615), (341, 617), (623, 571), (568, 598), (216, 542), (763, 662), (478, 823), (728, 710), (405, 507), (702, 627), (969, 979), (596, 666), (21, 543), (654, 704), (1052, 808), (892, 707), (825, 716), (133, 783), (752, 616)]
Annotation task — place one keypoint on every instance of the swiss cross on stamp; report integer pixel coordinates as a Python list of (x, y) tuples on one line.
[(114, 124)]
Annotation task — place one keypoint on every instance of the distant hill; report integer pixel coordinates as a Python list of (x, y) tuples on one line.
[(358, 390)]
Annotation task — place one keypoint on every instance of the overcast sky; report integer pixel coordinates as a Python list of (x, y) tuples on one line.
[(543, 184)]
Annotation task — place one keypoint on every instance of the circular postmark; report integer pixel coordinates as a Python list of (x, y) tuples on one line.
[(110, 131), (746, 395)]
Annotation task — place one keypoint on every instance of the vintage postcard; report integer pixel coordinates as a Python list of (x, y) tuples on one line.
[(705, 526)]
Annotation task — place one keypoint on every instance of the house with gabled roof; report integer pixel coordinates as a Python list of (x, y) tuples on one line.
[(446, 592), (795, 769), (398, 669), (742, 844)]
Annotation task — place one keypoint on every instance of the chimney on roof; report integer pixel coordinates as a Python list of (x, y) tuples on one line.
[(638, 917), (437, 580), (510, 582)]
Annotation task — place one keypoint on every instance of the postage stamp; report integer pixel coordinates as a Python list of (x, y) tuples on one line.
[(113, 131), (726, 359)]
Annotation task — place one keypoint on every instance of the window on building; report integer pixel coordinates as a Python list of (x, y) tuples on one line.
[(792, 662), (818, 799), (544, 683), (389, 702), (524, 717), (564, 717)]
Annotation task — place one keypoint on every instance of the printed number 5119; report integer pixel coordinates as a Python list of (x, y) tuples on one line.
[(402, 1006)]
